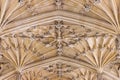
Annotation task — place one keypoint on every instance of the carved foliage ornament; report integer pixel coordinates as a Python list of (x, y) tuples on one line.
[(59, 68), (59, 4), (57, 35), (88, 5)]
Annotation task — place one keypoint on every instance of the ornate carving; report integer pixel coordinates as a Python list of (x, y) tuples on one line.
[(89, 3), (27, 49), (33, 75), (31, 9), (22, 2), (5, 67), (59, 68), (87, 7), (57, 35), (58, 4), (81, 74)]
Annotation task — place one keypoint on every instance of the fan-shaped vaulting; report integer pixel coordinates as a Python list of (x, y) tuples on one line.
[(59, 39)]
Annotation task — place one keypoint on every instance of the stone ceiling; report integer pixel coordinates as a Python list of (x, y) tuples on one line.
[(59, 40)]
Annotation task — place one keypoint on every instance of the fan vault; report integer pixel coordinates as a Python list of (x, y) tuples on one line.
[(59, 40)]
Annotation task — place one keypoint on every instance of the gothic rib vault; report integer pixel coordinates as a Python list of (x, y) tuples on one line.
[(59, 39)]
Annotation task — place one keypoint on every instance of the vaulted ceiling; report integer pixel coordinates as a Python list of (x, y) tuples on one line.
[(59, 39)]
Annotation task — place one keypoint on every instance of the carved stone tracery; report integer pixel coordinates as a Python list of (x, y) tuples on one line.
[(59, 68), (61, 38), (58, 34)]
